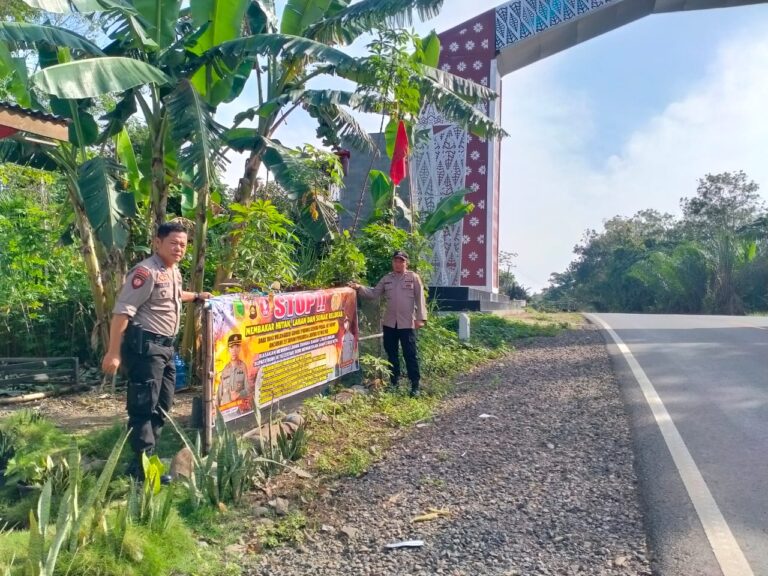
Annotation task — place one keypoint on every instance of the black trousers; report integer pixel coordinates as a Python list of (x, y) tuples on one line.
[(151, 385), (405, 337)]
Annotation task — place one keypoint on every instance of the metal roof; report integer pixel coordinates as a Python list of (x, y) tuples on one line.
[(34, 113)]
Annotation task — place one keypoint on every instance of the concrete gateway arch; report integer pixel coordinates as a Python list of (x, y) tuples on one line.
[(484, 49)]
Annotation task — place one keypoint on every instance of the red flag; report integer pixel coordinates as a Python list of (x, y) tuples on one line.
[(399, 167)]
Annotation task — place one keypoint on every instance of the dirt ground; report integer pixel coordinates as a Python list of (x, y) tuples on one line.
[(86, 411)]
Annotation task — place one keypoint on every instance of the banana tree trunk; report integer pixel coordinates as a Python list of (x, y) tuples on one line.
[(93, 268), (113, 269), (159, 197), (243, 196), (190, 347)]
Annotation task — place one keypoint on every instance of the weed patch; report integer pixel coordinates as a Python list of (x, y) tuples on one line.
[(289, 530)]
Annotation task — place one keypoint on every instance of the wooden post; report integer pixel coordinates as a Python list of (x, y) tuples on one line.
[(207, 345)]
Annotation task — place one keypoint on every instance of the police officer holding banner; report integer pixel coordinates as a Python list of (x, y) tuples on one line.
[(145, 322), (404, 313)]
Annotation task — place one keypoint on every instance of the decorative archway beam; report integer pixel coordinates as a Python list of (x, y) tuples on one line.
[(557, 25)]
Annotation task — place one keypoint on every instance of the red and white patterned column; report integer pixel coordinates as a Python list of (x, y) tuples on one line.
[(469, 51)]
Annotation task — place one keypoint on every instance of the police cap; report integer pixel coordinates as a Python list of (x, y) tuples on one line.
[(400, 254), (235, 340)]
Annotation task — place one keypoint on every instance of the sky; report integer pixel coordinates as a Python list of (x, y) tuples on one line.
[(627, 121)]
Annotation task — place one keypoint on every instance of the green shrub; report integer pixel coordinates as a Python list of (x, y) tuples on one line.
[(34, 439), (343, 263)]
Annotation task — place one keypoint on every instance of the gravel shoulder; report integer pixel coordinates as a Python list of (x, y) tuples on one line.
[(545, 485)]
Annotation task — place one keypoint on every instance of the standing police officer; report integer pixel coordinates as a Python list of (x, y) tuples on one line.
[(148, 313), (404, 313)]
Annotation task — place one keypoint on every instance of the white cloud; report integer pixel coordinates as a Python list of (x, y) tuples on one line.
[(552, 191)]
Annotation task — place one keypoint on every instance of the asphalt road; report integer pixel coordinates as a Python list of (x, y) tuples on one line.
[(705, 491)]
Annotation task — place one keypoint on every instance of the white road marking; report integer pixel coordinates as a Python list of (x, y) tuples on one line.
[(727, 551)]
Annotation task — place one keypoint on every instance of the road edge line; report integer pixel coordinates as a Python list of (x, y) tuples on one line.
[(727, 551)]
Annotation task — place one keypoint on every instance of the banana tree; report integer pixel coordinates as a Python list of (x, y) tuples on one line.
[(100, 205), (150, 65)]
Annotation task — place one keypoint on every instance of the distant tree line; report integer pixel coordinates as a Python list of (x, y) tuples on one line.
[(713, 259)]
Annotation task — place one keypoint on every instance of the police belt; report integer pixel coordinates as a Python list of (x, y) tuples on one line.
[(148, 336)]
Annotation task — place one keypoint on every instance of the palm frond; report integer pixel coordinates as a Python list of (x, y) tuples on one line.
[(335, 123), (458, 110), (354, 100), (283, 45), (21, 36), (107, 206), (192, 124), (468, 89), (360, 18)]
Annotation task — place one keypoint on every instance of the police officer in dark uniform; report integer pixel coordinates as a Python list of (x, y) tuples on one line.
[(405, 312), (145, 321)]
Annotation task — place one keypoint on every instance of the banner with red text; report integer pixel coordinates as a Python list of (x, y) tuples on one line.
[(267, 348)]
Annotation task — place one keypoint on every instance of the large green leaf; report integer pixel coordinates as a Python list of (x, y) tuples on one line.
[(197, 135), (390, 136), (384, 197), (15, 69), (67, 6), (449, 211), (429, 54), (97, 76), (161, 17), (381, 190), (107, 206), (298, 15), (21, 36), (279, 45), (86, 123), (244, 139), (225, 22), (225, 17), (127, 157), (360, 18)]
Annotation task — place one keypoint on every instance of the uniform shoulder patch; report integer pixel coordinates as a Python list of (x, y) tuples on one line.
[(140, 276)]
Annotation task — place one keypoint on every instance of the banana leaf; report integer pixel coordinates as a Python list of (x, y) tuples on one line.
[(449, 211), (106, 205), (197, 134), (351, 22), (298, 15), (22, 36), (97, 76)]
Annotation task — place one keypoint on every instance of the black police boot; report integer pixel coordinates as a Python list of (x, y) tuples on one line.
[(415, 392)]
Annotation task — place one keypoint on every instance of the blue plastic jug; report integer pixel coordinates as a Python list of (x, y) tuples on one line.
[(181, 371)]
